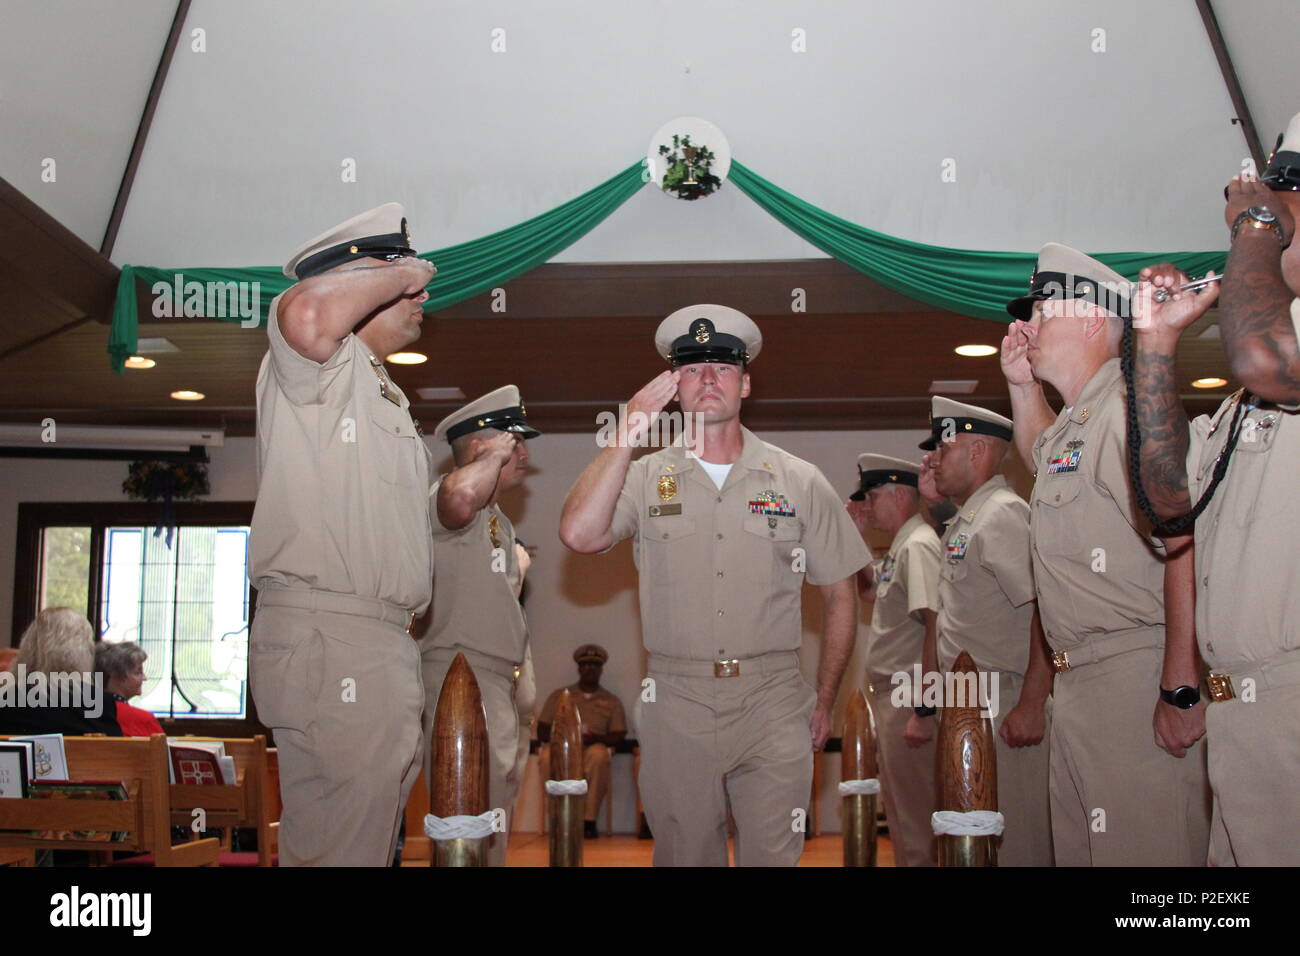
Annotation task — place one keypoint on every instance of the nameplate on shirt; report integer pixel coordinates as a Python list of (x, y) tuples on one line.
[(659, 511), (386, 392)]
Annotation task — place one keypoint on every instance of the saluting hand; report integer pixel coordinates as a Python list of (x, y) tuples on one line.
[(649, 402), (925, 482), (422, 272), (500, 446), (1246, 191), (1015, 354), (1165, 321)]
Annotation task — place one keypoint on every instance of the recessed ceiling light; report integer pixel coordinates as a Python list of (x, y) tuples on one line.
[(976, 351), (439, 392), (1209, 383), (153, 345), (139, 361), (408, 358), (953, 386), (185, 395)]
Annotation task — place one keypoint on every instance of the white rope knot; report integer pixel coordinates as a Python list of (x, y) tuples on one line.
[(459, 827), (853, 788), (969, 823), (566, 788)]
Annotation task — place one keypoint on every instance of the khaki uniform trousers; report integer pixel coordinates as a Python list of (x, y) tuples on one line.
[(1254, 760), (508, 705), (1022, 786), (342, 694), (1117, 798), (710, 744), (595, 770), (907, 780)]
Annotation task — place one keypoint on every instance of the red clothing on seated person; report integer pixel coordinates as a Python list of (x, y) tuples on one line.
[(134, 721)]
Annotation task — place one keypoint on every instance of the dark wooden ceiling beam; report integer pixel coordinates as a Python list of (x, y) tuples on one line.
[(142, 130), (1230, 80)]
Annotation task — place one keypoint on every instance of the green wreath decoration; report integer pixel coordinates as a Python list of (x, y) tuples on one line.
[(688, 176)]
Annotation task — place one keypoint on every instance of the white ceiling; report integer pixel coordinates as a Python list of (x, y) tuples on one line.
[(74, 77), (1126, 149)]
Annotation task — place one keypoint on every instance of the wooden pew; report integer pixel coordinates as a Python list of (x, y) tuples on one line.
[(140, 763), (246, 803)]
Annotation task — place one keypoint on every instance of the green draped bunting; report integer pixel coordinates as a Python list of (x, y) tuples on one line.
[(972, 282), (464, 270), (969, 281)]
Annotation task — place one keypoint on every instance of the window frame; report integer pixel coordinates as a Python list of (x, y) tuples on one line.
[(35, 517)]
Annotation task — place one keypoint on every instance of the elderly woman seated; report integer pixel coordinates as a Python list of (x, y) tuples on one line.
[(122, 666), (52, 688)]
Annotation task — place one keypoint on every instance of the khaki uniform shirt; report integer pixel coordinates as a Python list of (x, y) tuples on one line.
[(474, 603), (907, 581), (722, 569), (600, 711), (986, 585), (343, 478), (1247, 557), (1098, 570)]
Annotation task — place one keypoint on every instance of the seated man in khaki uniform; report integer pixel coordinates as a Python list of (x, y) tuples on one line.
[(1246, 583), (603, 726), (339, 550), (987, 608), (1117, 799), (903, 587), (476, 609), (726, 533)]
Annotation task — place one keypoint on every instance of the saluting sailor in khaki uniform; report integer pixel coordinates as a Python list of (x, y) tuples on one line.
[(603, 726), (476, 610), (987, 608), (339, 548), (904, 589), (1247, 561), (724, 540), (1117, 799)]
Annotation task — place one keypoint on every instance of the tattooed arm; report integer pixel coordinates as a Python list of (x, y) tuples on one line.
[(1156, 330), (1259, 335)]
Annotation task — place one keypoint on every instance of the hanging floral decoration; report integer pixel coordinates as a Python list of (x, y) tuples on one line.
[(166, 481), (688, 176)]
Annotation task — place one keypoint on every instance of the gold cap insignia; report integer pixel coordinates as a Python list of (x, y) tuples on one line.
[(701, 333)]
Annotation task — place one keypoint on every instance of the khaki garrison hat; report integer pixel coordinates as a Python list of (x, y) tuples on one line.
[(502, 410), (877, 470), (956, 418), (1065, 273), (590, 653), (708, 333), (1283, 169), (380, 233)]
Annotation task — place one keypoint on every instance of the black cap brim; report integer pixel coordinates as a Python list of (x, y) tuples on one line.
[(1022, 309)]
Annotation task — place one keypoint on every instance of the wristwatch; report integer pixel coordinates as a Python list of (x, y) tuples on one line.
[(1259, 217), (1183, 697)]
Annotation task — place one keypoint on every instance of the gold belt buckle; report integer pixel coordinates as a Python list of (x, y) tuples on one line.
[(1060, 661), (1220, 687), (726, 668)]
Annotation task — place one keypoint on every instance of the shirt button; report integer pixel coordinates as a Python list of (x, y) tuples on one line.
[(720, 612), (719, 574), (1058, 497), (771, 534), (719, 499), (719, 535), (665, 535)]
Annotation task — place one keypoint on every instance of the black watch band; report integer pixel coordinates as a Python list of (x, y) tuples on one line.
[(926, 711), (1183, 697)]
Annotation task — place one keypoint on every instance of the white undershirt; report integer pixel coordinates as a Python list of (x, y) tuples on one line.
[(717, 472)]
